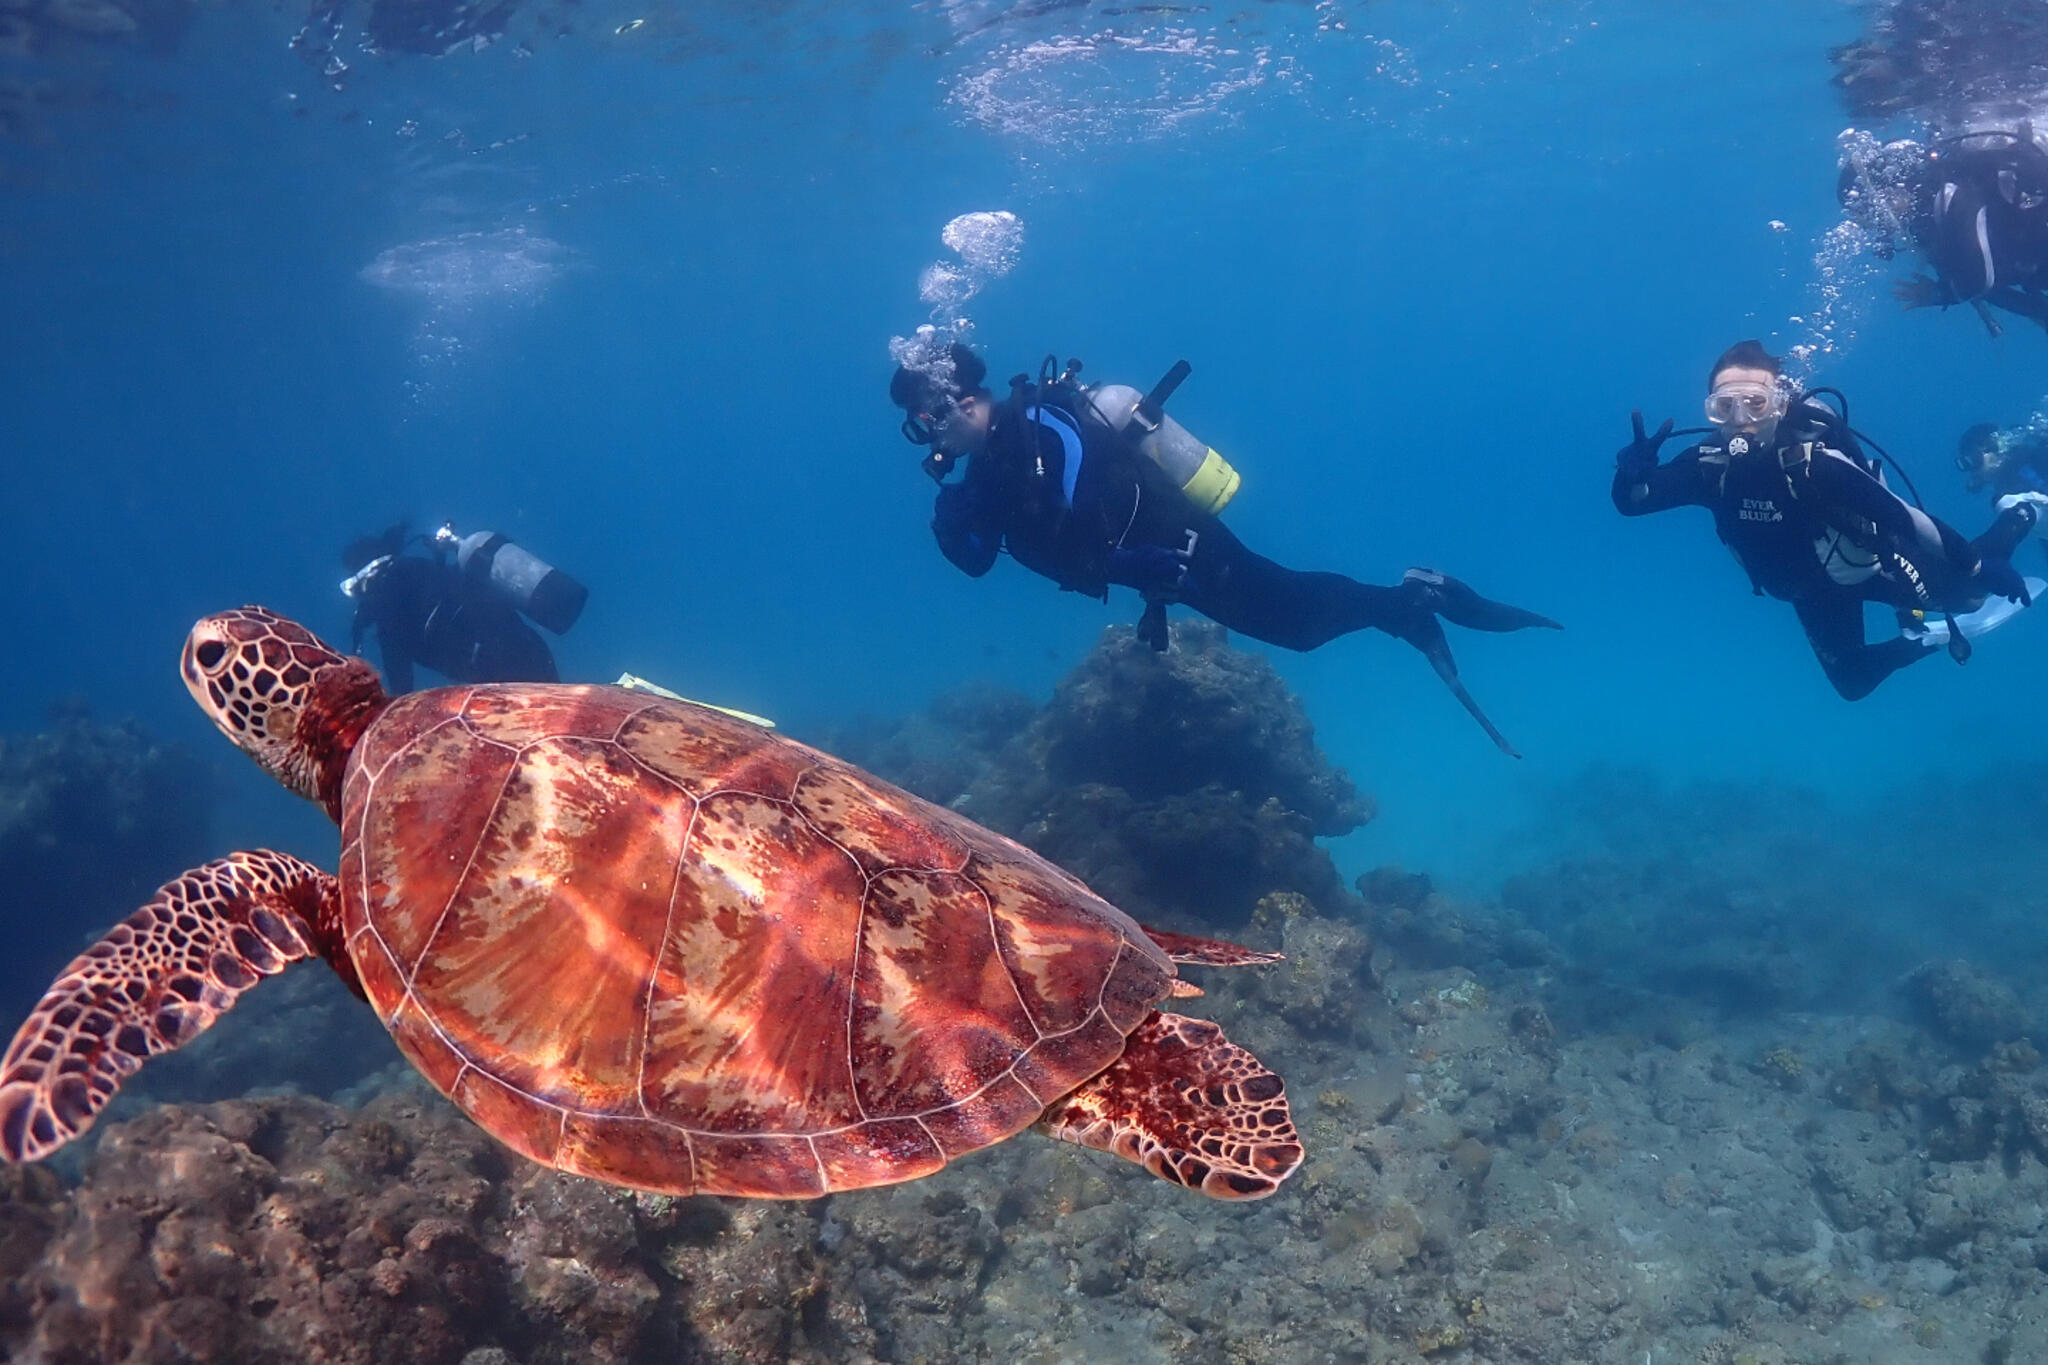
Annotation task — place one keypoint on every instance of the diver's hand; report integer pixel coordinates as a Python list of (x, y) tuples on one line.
[(1149, 568), (1919, 291), (1636, 459), (2001, 579)]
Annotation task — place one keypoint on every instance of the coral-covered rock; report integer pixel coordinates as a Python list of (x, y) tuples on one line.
[(288, 1230), (1182, 786), (1966, 1005)]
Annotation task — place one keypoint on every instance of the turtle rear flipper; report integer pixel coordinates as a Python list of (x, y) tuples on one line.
[(155, 982), (1189, 1106), (1208, 952)]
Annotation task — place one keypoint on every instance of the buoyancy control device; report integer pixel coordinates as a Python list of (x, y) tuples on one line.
[(517, 576)]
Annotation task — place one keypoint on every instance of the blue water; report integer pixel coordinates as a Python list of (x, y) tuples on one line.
[(1423, 264)]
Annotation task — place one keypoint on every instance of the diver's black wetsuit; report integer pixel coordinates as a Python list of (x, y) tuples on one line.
[(1813, 527), (1983, 224), (1127, 524), (1071, 500), (424, 611)]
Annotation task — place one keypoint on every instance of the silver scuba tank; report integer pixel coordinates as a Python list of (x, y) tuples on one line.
[(518, 577), (1204, 476)]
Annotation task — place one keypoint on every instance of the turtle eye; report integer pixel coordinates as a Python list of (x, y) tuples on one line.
[(209, 654)]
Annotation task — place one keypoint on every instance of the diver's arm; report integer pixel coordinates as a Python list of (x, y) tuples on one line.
[(1680, 482), (2020, 302), (1847, 492), (967, 535), (397, 666)]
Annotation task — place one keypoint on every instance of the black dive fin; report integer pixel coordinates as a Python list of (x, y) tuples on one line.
[(1457, 603), (1439, 657)]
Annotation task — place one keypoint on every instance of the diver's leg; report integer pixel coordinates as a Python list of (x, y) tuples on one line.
[(1301, 610), (1254, 596), (1458, 604), (2013, 524), (1834, 628)]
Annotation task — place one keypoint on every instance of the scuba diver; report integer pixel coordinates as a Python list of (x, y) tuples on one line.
[(1812, 523), (1093, 486), (456, 607), (1975, 205), (2006, 462)]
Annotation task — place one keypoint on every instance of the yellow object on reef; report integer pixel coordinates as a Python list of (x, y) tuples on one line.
[(634, 682)]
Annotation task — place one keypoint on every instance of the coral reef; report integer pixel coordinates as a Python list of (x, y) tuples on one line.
[(1521, 1146), (1966, 1005), (285, 1229), (1183, 785), (1719, 898)]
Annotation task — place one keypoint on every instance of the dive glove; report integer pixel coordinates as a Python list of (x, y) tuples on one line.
[(2003, 580), (1636, 459), (1148, 568)]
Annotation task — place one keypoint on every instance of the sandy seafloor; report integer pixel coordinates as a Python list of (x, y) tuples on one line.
[(1707, 1032)]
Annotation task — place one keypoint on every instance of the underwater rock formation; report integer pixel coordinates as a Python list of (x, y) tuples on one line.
[(1182, 786), (93, 817), (1966, 1005), (288, 1230)]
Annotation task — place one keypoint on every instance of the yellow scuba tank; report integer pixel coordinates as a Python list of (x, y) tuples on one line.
[(1204, 476)]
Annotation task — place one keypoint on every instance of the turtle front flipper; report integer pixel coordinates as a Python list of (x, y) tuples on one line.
[(1189, 1106), (155, 982)]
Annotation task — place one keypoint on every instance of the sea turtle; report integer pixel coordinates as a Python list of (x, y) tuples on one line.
[(646, 941)]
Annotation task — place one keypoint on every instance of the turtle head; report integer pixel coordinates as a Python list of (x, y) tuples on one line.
[(286, 698)]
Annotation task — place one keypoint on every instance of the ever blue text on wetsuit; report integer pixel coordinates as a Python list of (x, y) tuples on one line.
[(426, 611), (1071, 500), (1811, 526)]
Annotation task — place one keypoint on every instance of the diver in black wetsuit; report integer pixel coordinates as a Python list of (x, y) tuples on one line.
[(2005, 462), (459, 617), (1813, 526), (1054, 479), (1976, 206)]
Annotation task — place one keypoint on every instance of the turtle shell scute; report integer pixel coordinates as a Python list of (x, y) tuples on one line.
[(650, 942)]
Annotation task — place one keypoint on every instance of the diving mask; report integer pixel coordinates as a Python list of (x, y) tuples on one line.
[(922, 428), (1745, 403), (358, 583), (1986, 454)]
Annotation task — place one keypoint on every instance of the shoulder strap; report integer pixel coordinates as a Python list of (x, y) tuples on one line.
[(1062, 425)]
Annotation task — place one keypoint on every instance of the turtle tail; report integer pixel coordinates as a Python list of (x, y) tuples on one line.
[(155, 982)]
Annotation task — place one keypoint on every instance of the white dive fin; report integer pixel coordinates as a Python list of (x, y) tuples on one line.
[(636, 683), (1987, 618)]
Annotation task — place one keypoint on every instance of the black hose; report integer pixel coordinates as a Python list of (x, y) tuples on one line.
[(1842, 401)]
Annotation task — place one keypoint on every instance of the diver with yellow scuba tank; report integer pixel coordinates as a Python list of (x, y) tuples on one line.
[(1094, 486)]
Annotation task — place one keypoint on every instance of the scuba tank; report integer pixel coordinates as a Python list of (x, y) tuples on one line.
[(517, 577), (1204, 476)]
